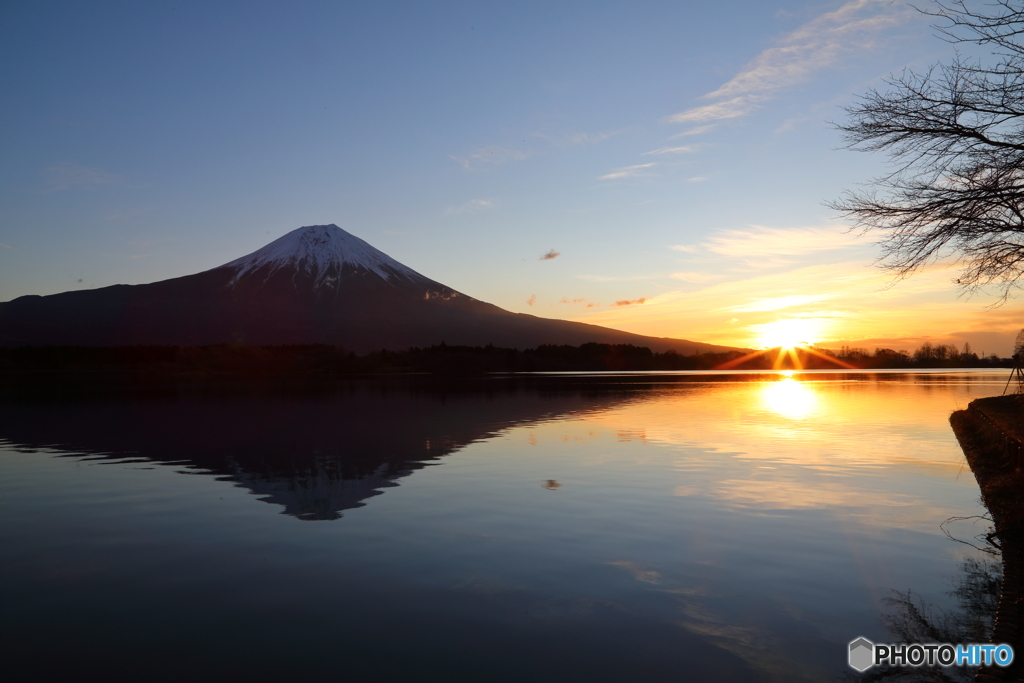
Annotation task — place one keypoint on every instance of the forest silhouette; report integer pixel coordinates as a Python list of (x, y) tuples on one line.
[(326, 360)]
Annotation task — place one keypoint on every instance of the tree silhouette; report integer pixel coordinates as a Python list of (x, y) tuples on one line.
[(955, 135)]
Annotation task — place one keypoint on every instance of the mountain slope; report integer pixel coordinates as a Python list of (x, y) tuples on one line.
[(317, 284)]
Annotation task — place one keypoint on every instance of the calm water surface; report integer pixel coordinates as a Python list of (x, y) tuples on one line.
[(592, 528)]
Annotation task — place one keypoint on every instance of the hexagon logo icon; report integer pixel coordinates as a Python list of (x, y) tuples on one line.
[(862, 653)]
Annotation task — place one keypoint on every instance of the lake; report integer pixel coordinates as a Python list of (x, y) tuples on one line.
[(594, 527)]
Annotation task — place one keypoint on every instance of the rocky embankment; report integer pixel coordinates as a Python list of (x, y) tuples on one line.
[(991, 433)]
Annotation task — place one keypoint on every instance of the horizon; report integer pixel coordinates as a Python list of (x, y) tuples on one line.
[(660, 171)]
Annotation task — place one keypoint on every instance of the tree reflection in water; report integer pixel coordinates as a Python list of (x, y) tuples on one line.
[(909, 619)]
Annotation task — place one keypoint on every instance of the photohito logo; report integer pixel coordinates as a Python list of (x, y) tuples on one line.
[(864, 654)]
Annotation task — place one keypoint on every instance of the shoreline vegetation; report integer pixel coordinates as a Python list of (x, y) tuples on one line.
[(330, 361)]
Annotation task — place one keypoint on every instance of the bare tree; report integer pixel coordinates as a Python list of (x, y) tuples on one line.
[(955, 135)]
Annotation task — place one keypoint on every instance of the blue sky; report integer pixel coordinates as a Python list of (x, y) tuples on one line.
[(675, 155)]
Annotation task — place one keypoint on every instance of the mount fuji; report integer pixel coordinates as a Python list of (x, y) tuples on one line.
[(315, 285)]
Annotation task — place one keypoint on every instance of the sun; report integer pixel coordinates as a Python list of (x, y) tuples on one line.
[(795, 338), (788, 333)]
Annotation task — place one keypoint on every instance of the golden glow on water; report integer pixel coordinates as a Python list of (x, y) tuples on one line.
[(865, 446), (789, 398)]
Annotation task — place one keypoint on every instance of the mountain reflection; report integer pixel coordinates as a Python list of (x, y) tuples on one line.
[(313, 451)]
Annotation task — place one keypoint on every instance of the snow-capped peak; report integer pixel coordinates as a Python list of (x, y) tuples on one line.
[(321, 251)]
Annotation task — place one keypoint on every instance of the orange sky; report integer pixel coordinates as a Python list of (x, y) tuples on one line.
[(818, 283)]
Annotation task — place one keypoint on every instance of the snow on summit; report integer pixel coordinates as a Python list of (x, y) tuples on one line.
[(321, 251)]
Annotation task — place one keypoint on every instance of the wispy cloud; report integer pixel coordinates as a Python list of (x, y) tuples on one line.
[(627, 172), (819, 44), (672, 150), (688, 248), (699, 130), (490, 155), (576, 138), (471, 206), (615, 278), (532, 300), (6, 246), (696, 179), (549, 254), (493, 155), (760, 241), (591, 138), (778, 303), (719, 111), (67, 175), (693, 277), (630, 302)]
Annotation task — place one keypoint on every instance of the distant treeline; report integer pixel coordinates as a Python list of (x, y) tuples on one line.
[(324, 360), (814, 358), (926, 356)]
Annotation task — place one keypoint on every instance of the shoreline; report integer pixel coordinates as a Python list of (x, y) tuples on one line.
[(991, 434)]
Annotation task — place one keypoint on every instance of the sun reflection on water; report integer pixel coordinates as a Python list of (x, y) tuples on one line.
[(789, 398)]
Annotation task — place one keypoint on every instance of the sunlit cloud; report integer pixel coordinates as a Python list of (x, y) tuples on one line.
[(764, 262), (688, 248), (490, 155), (672, 150), (630, 302), (567, 300), (696, 179), (532, 300), (819, 44), (830, 313), (760, 241), (471, 206), (627, 172), (779, 302), (549, 254), (67, 175)]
